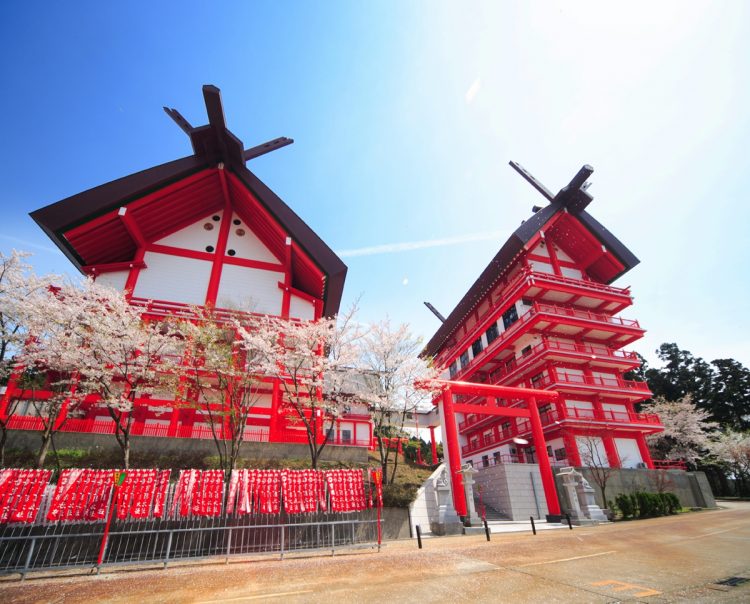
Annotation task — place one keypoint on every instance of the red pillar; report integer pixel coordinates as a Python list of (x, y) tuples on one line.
[(454, 453), (571, 450), (433, 445), (548, 479), (609, 447), (273, 420), (644, 451)]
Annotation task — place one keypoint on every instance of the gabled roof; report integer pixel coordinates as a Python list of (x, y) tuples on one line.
[(186, 189), (572, 199)]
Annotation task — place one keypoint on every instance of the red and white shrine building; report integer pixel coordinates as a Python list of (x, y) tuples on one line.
[(201, 230), (545, 315)]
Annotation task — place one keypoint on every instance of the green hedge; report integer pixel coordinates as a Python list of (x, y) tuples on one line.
[(647, 505)]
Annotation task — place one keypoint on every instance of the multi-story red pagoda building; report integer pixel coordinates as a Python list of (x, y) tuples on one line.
[(545, 315), (201, 230)]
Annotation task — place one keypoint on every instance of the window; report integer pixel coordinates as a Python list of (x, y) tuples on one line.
[(536, 379), (527, 302), (476, 347), (453, 369), (510, 316), (526, 350), (464, 358), (560, 454), (492, 333), (485, 461), (346, 436), (496, 457)]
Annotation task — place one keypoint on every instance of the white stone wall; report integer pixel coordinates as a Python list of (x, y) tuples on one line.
[(507, 488), (424, 507)]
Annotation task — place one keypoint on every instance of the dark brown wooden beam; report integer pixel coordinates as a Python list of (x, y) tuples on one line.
[(259, 150)]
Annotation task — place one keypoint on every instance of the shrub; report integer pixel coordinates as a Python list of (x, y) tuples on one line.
[(626, 504)]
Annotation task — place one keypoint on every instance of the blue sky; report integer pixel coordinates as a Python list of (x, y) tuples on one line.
[(404, 116)]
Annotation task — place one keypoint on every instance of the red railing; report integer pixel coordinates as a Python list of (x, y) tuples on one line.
[(528, 277), (538, 310), (586, 315), (523, 427), (570, 348), (595, 381), (104, 426)]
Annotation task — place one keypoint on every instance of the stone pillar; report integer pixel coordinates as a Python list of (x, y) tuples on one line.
[(468, 473)]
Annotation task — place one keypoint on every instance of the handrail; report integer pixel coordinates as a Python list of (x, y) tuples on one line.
[(591, 380), (523, 427)]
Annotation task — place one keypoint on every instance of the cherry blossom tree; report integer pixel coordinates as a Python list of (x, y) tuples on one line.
[(313, 363), (687, 429), (90, 334), (222, 376), (390, 365), (18, 284), (732, 451)]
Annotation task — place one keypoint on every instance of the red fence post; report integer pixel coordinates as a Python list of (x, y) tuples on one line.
[(117, 479)]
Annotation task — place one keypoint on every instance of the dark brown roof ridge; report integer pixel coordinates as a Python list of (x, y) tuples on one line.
[(212, 144)]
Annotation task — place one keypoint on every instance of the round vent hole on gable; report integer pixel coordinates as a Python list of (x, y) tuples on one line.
[(209, 248), (240, 232), (215, 218), (236, 221), (208, 226), (231, 252)]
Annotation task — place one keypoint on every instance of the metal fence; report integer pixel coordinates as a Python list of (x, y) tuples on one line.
[(56, 545)]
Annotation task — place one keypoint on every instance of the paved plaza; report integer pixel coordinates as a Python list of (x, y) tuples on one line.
[(672, 559)]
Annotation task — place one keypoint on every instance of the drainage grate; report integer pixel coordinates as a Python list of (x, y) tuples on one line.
[(733, 581)]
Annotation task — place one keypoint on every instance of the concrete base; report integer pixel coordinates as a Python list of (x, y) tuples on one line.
[(448, 528), (473, 530)]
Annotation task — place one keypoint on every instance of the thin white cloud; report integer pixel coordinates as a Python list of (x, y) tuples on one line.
[(473, 90), (392, 248), (28, 244)]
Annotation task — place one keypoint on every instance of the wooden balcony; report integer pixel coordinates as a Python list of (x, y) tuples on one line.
[(569, 351), (589, 416)]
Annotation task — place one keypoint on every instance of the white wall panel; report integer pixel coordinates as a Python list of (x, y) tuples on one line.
[(114, 279), (541, 267), (196, 236), (301, 308), (248, 245), (363, 433), (251, 288), (573, 273), (262, 401), (591, 450), (173, 278), (627, 449)]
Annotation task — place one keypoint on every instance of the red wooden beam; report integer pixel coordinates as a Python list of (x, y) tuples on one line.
[(491, 410)]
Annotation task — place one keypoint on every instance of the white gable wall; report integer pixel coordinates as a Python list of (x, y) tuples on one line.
[(248, 245), (255, 289), (301, 308), (114, 279), (196, 237), (173, 278)]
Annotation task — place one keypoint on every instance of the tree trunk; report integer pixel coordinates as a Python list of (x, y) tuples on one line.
[(41, 456), (126, 453), (3, 438)]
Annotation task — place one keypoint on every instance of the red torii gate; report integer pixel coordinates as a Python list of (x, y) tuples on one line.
[(492, 393)]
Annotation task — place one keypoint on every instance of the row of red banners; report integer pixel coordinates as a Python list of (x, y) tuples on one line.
[(21, 494), (84, 494)]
